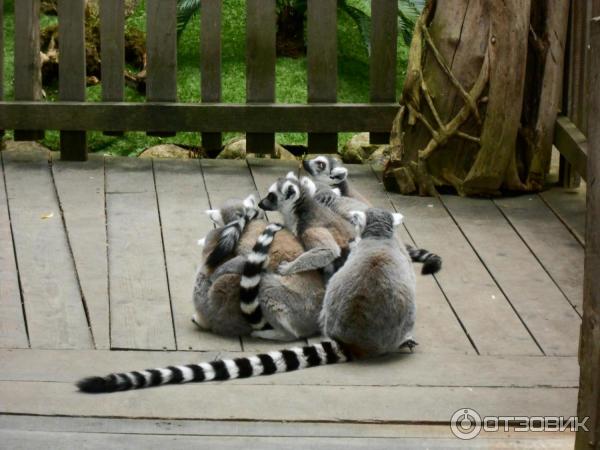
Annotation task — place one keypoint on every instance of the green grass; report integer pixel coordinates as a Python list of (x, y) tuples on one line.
[(353, 76)]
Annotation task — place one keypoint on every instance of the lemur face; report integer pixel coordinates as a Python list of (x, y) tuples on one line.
[(325, 169), (235, 209), (286, 191), (378, 221)]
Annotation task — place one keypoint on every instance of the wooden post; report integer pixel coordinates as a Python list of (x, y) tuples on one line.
[(161, 44), (322, 66), (71, 72), (210, 66), (260, 65), (589, 345), (384, 43), (112, 44), (28, 74)]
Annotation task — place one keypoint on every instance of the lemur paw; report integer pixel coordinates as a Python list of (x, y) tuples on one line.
[(198, 322), (285, 268), (410, 343)]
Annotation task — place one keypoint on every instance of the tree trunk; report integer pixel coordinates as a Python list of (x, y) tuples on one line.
[(480, 99)]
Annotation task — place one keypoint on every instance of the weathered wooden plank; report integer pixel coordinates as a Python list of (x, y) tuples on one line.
[(260, 65), (13, 331), (310, 403), (437, 329), (539, 303), (467, 285), (1, 56), (400, 369), (161, 45), (182, 200), (572, 145), (589, 350), (28, 74), (140, 310), (321, 65), (551, 243), (569, 207), (80, 190), (112, 44), (384, 41), (210, 65), (53, 305), (43, 440), (255, 118), (233, 428), (71, 72)]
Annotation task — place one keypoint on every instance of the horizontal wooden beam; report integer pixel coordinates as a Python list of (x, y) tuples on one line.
[(214, 117), (572, 144)]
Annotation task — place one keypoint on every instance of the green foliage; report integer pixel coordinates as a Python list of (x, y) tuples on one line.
[(186, 9)]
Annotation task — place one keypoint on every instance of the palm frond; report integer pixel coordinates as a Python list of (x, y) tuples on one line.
[(186, 9), (408, 14), (362, 20)]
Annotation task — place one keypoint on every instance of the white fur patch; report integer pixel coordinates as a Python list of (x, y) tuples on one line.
[(301, 357), (308, 185), (188, 374), (202, 242), (323, 160), (278, 360), (166, 375), (265, 239), (273, 188), (398, 218), (209, 372), (257, 258), (291, 175), (339, 173), (289, 185), (147, 376), (337, 192), (250, 201), (215, 216), (229, 230), (257, 367), (248, 308), (358, 219), (250, 282), (322, 353), (232, 368)]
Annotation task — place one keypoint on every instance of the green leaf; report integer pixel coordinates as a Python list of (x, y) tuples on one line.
[(408, 14), (186, 9), (362, 20)]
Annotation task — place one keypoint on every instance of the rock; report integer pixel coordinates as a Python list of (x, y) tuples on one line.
[(10, 145), (165, 151), (358, 149), (236, 149), (380, 156)]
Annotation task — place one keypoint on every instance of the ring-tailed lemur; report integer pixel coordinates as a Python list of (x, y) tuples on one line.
[(324, 234), (290, 304), (369, 310), (329, 171)]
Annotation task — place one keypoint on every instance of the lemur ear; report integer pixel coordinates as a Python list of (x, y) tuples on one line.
[(291, 175), (215, 216), (308, 185), (202, 242), (290, 191), (398, 219), (358, 219), (250, 201), (339, 174), (337, 192)]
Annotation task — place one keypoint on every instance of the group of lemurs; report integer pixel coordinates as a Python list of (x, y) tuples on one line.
[(334, 267)]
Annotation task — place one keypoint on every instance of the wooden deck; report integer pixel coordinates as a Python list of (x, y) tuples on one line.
[(97, 261)]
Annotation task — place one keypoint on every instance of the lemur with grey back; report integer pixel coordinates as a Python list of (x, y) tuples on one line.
[(324, 234), (246, 270), (329, 172), (369, 310)]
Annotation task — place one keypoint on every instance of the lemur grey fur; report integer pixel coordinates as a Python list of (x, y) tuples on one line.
[(369, 310), (290, 304), (324, 235), (328, 171), (369, 306)]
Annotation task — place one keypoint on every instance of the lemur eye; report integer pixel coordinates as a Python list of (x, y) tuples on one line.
[(320, 165)]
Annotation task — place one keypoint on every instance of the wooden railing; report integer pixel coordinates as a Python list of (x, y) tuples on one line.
[(322, 117)]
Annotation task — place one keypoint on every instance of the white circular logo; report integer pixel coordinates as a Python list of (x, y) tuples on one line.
[(465, 423)]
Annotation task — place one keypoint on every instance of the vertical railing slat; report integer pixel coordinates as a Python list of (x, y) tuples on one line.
[(210, 65), (28, 75), (161, 48), (112, 44), (1, 56), (260, 65), (322, 65), (71, 72), (384, 41)]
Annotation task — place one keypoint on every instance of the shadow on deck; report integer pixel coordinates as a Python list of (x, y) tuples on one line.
[(97, 264)]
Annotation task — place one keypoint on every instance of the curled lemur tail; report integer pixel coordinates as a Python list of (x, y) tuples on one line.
[(432, 263), (229, 237), (223, 369), (251, 276)]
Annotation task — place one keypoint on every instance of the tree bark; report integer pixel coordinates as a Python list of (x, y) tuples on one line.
[(480, 98)]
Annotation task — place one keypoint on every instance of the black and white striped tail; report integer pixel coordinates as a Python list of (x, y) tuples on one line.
[(288, 360), (432, 263), (251, 275), (229, 237)]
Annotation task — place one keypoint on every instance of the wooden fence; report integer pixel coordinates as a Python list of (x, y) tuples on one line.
[(322, 117)]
